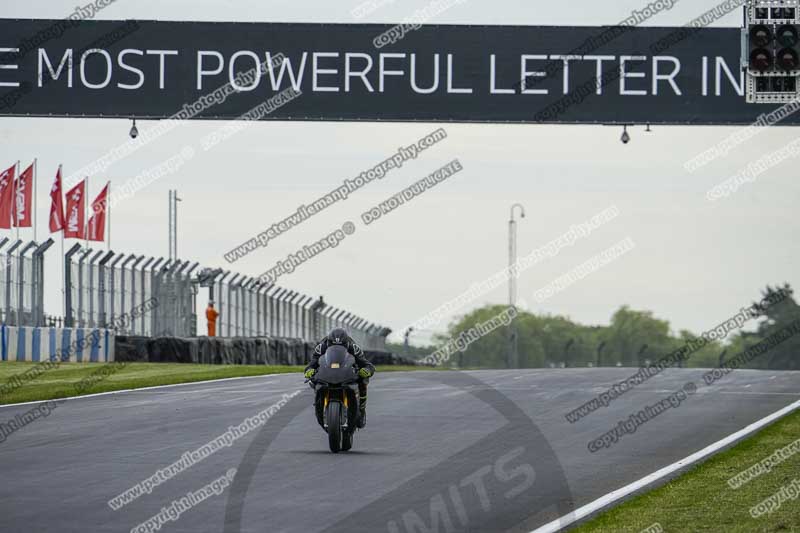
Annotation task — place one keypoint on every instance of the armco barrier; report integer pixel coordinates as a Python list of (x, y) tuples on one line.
[(228, 351), (74, 345)]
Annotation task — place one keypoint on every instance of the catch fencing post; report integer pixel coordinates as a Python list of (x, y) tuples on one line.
[(251, 288), (190, 314), (143, 297), (279, 311), (316, 317), (257, 292), (37, 283), (287, 313), (20, 313), (221, 291), (273, 310), (164, 297), (124, 312), (304, 318), (112, 292), (269, 304), (244, 290), (91, 287), (238, 315), (264, 297), (82, 289), (155, 292), (238, 307), (247, 310), (167, 285), (69, 318), (323, 321), (286, 310), (290, 313), (157, 286), (101, 289), (179, 320), (281, 300), (280, 317), (292, 333), (230, 289), (9, 261), (300, 306), (328, 313), (255, 300), (37, 288)]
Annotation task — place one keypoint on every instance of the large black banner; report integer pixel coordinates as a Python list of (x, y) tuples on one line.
[(373, 72)]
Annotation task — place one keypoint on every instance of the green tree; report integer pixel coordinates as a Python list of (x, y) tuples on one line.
[(632, 338)]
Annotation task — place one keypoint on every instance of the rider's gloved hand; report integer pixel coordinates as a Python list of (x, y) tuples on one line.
[(310, 373), (364, 373)]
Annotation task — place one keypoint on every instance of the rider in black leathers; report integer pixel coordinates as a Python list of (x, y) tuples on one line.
[(339, 337)]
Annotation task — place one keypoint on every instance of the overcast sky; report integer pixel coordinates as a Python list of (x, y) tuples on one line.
[(695, 263)]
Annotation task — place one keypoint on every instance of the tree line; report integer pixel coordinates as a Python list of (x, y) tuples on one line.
[(633, 338)]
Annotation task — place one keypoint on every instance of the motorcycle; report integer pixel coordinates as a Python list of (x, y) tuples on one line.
[(336, 401)]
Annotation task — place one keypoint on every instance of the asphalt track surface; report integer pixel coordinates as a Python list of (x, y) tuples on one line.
[(476, 451)]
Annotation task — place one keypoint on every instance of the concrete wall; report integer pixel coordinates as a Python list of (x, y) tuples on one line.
[(76, 345)]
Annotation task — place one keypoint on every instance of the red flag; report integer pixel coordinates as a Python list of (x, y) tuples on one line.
[(57, 222), (7, 197), (23, 194), (97, 222), (76, 210)]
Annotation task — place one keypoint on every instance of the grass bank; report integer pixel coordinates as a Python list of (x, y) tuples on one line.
[(703, 500), (25, 382)]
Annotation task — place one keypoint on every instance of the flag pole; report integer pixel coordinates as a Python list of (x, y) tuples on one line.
[(63, 258), (107, 207), (14, 214), (35, 167), (86, 212)]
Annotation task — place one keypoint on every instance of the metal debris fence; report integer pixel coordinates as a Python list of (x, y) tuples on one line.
[(22, 282), (105, 289)]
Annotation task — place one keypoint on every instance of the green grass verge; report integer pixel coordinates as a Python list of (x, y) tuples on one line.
[(702, 500), (61, 382)]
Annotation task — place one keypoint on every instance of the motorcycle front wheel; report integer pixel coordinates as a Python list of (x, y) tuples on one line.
[(347, 440), (334, 413)]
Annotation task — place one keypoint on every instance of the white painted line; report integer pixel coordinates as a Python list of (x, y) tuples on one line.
[(240, 398), (760, 393), (611, 497), (142, 389)]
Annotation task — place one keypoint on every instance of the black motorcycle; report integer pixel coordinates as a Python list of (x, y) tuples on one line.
[(336, 402)]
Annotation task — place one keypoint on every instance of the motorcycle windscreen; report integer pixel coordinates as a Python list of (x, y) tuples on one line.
[(336, 366)]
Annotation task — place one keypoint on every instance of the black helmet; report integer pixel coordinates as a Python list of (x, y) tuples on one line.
[(337, 336)]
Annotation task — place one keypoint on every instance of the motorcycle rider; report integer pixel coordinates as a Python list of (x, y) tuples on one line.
[(339, 337)]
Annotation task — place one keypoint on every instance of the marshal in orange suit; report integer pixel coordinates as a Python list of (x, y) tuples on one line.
[(211, 316)]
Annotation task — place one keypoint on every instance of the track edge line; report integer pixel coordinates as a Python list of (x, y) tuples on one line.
[(616, 495)]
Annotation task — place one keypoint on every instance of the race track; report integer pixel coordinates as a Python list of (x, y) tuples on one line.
[(477, 451)]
